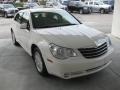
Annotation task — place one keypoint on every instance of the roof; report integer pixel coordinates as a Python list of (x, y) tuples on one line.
[(41, 9)]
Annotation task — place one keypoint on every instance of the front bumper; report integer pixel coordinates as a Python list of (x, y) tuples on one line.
[(108, 10), (10, 15), (79, 66)]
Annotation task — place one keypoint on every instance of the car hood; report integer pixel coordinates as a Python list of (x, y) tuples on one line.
[(9, 9), (105, 6), (76, 36)]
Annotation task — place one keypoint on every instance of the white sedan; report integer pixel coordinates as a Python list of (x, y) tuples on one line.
[(60, 44)]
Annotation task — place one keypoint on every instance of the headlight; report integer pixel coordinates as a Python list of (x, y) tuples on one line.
[(109, 43), (8, 11), (62, 52)]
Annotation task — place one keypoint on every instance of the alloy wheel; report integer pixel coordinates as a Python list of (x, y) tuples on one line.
[(38, 62)]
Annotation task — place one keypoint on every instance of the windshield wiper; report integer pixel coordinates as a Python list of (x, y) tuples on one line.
[(67, 24), (49, 26)]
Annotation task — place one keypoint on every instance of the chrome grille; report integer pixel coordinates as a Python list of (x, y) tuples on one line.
[(12, 12), (94, 52)]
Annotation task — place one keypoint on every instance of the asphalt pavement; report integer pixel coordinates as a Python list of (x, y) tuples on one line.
[(18, 72)]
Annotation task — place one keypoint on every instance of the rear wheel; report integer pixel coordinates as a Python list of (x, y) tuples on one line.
[(102, 11), (90, 10), (39, 62), (5, 15)]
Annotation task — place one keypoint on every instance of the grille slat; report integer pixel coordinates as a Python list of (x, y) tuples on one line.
[(99, 47), (96, 55), (94, 52)]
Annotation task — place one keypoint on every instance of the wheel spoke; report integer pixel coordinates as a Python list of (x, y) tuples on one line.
[(38, 62)]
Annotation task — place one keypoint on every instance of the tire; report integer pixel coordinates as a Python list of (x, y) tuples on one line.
[(90, 11), (102, 11), (14, 39), (70, 11), (81, 11), (5, 15), (39, 62)]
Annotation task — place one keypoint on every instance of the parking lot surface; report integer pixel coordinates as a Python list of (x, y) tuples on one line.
[(17, 70)]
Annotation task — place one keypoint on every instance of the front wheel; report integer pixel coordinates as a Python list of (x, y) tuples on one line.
[(81, 11), (39, 62)]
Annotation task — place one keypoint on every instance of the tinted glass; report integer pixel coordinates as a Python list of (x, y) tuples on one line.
[(50, 19), (90, 3), (18, 17), (6, 6)]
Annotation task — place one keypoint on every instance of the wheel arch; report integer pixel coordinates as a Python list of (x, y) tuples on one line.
[(32, 48), (101, 9), (11, 29)]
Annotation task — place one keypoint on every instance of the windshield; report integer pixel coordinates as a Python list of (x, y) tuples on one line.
[(52, 19), (8, 6), (33, 5), (100, 3)]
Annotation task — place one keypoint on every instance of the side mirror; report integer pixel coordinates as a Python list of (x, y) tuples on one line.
[(23, 26)]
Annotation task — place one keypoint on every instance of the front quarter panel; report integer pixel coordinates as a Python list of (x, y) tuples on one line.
[(42, 44)]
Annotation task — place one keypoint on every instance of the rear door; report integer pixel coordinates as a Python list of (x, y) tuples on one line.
[(25, 33)]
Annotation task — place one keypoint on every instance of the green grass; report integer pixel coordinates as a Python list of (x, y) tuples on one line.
[(18, 4)]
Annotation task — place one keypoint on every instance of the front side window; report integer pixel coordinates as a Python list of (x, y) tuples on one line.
[(98, 3), (18, 17), (52, 19), (91, 3), (25, 17), (86, 3), (95, 3), (106, 2)]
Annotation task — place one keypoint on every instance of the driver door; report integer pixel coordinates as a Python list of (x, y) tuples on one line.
[(25, 33)]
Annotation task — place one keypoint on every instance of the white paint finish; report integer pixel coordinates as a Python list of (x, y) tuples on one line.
[(72, 37), (116, 20)]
